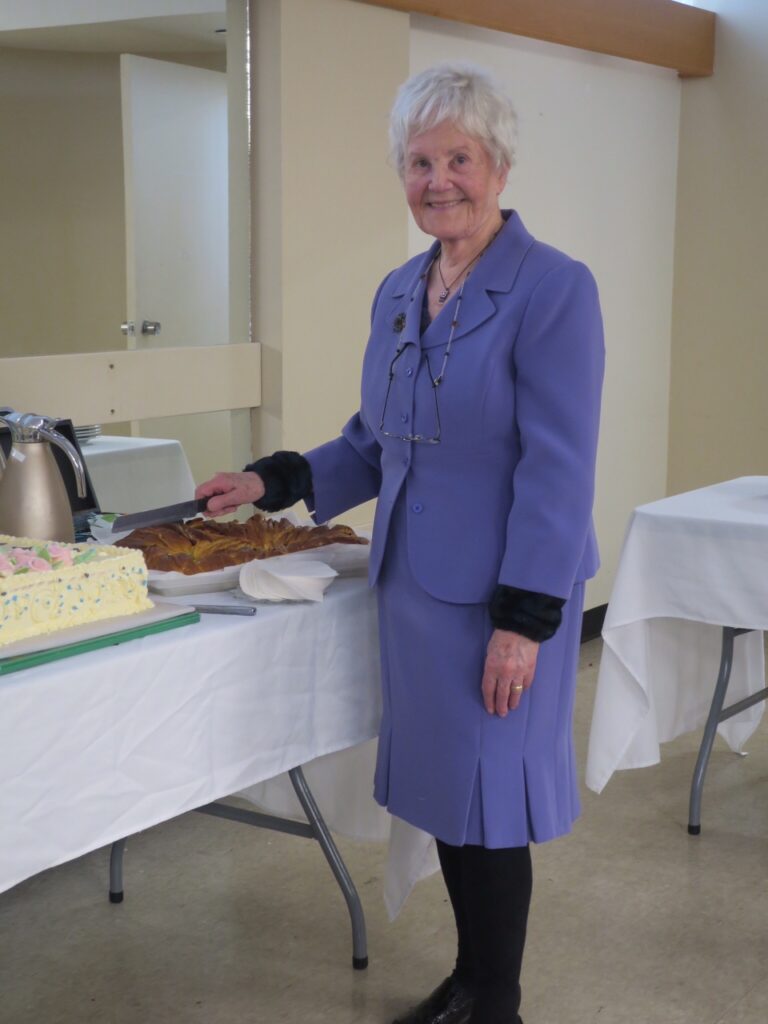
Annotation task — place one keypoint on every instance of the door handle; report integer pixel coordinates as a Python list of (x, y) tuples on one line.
[(151, 327)]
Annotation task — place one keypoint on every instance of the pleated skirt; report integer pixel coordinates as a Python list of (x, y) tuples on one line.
[(444, 764)]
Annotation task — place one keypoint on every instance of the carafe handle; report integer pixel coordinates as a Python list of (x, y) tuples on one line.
[(3, 419), (54, 437)]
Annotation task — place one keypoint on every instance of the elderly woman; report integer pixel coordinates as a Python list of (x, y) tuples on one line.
[(477, 433)]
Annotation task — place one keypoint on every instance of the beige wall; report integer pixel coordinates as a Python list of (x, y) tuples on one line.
[(62, 254), (330, 218), (718, 417)]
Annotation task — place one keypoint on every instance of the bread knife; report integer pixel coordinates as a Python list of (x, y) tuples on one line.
[(159, 516)]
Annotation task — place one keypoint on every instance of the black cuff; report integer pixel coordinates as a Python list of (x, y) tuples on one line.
[(532, 615), (287, 478)]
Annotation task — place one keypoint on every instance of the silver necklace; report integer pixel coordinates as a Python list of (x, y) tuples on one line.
[(447, 287)]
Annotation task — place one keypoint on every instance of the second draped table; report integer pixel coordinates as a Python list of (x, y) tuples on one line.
[(691, 564)]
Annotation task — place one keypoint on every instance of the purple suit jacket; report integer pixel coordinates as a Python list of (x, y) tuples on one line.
[(506, 496)]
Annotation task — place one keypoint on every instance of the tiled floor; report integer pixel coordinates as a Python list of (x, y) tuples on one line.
[(633, 920)]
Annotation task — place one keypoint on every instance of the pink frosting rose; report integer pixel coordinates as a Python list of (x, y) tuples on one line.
[(61, 555), (21, 555), (39, 564), (26, 559)]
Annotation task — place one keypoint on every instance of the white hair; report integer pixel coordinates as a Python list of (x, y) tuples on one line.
[(463, 94)]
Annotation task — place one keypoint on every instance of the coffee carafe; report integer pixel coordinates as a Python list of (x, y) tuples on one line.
[(33, 495)]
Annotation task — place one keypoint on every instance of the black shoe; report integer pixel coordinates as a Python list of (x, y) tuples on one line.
[(450, 1003)]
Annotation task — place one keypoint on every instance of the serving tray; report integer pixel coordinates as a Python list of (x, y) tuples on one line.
[(346, 559)]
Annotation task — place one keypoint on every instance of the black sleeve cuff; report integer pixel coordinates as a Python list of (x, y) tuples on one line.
[(287, 478), (532, 615)]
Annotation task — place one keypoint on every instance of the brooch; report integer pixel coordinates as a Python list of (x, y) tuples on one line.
[(398, 324)]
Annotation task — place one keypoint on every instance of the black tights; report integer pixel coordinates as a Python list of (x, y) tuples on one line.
[(490, 891)]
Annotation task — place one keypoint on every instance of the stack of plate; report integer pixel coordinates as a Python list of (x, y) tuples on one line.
[(87, 433)]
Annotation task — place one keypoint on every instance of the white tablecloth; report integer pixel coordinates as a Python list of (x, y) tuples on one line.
[(690, 565), (131, 474), (102, 745)]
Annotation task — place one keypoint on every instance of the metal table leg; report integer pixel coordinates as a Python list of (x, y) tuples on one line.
[(339, 868), (116, 871), (314, 829), (717, 715)]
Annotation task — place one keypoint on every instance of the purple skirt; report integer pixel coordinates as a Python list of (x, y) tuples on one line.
[(444, 764)]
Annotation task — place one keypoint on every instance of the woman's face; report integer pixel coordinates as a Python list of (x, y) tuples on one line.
[(451, 184)]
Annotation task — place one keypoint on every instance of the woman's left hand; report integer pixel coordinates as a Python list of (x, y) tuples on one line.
[(510, 663)]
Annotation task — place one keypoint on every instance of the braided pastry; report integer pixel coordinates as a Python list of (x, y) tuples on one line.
[(202, 545)]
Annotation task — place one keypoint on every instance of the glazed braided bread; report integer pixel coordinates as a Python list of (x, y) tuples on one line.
[(202, 545)]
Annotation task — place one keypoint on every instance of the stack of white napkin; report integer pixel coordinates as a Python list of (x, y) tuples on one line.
[(286, 578)]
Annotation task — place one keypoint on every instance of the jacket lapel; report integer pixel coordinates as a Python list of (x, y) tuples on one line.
[(406, 300), (496, 272)]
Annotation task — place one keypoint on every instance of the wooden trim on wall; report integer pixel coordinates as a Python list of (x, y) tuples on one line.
[(661, 32), (137, 384)]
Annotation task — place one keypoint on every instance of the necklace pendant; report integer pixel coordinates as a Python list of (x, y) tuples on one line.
[(443, 295)]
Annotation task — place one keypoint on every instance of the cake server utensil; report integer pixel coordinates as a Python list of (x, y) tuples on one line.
[(224, 609), (158, 516)]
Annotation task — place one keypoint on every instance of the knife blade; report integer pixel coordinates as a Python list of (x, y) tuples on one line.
[(158, 516)]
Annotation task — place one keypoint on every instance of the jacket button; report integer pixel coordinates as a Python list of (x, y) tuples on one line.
[(409, 372), (417, 507), (404, 417)]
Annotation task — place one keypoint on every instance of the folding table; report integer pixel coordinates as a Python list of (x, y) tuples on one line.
[(98, 747), (692, 578)]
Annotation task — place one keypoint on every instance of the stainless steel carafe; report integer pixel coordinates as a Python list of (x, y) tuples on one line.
[(33, 495)]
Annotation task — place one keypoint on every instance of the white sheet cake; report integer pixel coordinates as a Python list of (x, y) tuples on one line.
[(46, 586)]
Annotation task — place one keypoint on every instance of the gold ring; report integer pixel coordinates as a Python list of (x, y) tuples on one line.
[(517, 689)]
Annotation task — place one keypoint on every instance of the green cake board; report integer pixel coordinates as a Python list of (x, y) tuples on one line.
[(17, 662)]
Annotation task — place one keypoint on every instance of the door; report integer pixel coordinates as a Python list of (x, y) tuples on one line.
[(176, 193), (175, 146)]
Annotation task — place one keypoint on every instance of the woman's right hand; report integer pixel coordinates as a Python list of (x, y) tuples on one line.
[(227, 491)]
